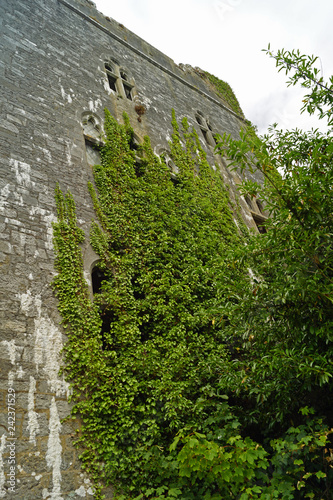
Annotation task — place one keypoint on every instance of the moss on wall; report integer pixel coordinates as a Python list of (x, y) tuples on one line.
[(222, 89)]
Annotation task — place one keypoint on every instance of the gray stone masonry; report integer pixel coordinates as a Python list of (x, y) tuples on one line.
[(54, 82)]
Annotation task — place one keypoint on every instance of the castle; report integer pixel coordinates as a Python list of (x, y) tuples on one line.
[(62, 63)]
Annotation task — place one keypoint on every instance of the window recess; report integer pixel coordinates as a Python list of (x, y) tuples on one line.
[(206, 129), (259, 220), (119, 81), (111, 76), (91, 134)]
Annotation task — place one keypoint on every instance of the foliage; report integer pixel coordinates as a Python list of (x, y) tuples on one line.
[(303, 71), (283, 322), (240, 468), (161, 244), (224, 90), (81, 318), (184, 349)]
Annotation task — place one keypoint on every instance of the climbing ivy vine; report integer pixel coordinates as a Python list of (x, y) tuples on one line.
[(224, 90), (145, 357)]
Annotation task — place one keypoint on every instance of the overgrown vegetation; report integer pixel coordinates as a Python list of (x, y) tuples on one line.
[(285, 318), (202, 369), (224, 90)]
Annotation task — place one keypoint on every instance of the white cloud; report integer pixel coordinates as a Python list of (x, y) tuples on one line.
[(225, 37)]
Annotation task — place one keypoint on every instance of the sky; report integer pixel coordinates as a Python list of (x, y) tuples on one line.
[(226, 38)]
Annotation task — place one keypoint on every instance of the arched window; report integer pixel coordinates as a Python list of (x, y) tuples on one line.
[(91, 127), (166, 157), (249, 202), (206, 129), (140, 162), (213, 134), (97, 278), (118, 79), (260, 207), (92, 132), (127, 86), (260, 222), (111, 76)]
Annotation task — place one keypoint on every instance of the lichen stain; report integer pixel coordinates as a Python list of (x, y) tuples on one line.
[(22, 173), (11, 347), (65, 96), (94, 105), (53, 454), (33, 425), (47, 217), (48, 342)]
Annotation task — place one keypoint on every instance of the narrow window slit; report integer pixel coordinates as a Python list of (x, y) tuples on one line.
[(97, 277), (107, 317), (112, 82), (128, 92)]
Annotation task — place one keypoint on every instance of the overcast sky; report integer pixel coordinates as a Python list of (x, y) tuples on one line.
[(225, 37)]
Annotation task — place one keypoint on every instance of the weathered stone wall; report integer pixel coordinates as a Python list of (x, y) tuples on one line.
[(52, 73)]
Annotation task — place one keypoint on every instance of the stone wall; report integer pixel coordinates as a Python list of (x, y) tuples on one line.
[(53, 78)]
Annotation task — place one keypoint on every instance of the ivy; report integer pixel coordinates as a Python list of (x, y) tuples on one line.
[(224, 90), (145, 358)]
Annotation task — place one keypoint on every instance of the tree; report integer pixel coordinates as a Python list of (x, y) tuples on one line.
[(283, 321)]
